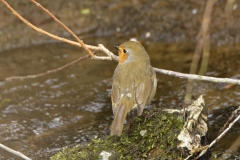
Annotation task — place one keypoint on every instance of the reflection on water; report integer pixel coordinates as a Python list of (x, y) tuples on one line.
[(40, 116)]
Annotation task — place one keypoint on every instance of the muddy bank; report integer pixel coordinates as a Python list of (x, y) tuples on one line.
[(153, 20)]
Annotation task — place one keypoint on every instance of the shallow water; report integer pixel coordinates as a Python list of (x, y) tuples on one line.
[(40, 116)]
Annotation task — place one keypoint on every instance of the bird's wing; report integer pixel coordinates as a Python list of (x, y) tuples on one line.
[(115, 97), (154, 86), (145, 91)]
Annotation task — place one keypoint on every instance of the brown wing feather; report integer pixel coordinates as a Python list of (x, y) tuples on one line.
[(154, 86), (115, 97), (145, 92), (142, 92)]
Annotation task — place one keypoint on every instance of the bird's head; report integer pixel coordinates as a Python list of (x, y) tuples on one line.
[(132, 51)]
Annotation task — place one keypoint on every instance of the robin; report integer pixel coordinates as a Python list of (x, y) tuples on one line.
[(134, 83)]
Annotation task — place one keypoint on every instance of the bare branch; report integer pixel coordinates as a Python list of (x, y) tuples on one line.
[(110, 55), (197, 77), (65, 27), (49, 71), (221, 135), (14, 152), (229, 119)]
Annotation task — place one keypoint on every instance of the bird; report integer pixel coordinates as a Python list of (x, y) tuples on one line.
[(134, 83)]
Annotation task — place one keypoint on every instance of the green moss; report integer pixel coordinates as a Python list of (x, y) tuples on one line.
[(159, 141)]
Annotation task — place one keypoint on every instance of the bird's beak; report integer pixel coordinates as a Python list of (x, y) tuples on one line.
[(116, 47)]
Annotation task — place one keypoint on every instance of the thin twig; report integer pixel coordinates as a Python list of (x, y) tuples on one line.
[(65, 27), (220, 136), (110, 55), (197, 77), (229, 119), (49, 71), (14, 152)]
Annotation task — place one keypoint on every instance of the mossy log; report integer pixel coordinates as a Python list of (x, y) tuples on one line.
[(154, 137)]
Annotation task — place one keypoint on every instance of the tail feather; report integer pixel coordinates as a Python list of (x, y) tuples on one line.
[(117, 125)]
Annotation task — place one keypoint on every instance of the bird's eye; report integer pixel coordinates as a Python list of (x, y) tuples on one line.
[(124, 51)]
